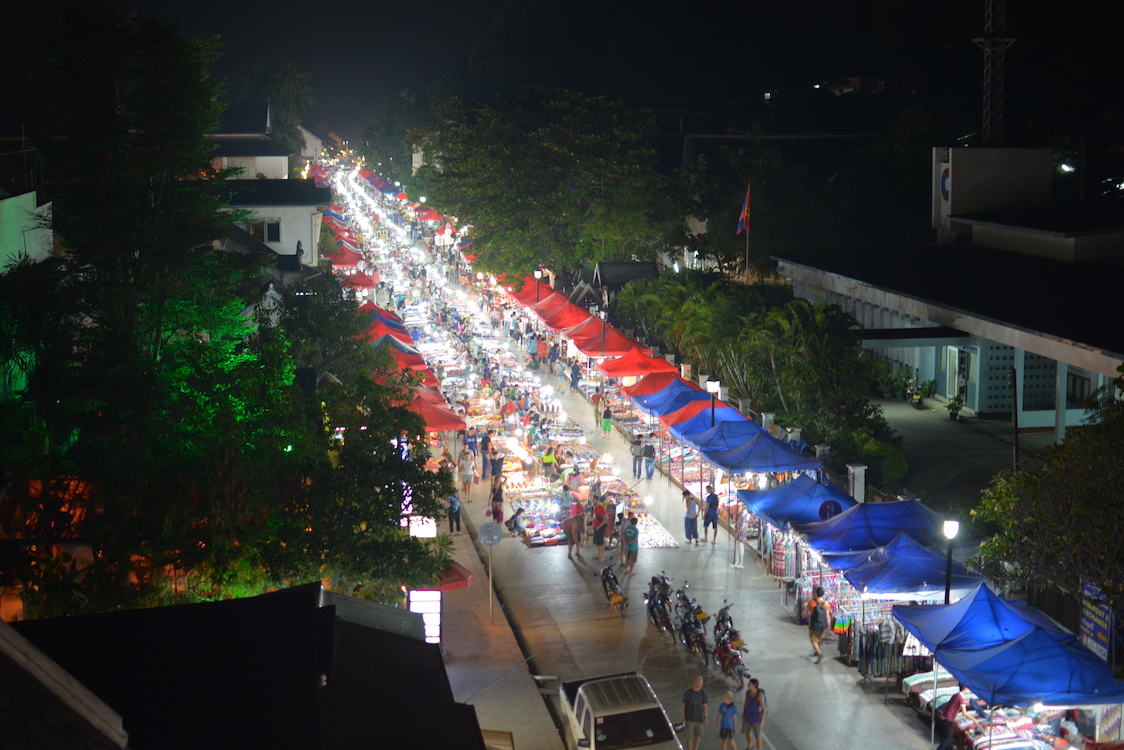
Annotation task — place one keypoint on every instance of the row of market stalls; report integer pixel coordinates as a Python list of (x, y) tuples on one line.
[(885, 567)]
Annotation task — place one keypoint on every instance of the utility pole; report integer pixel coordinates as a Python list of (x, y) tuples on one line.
[(994, 44)]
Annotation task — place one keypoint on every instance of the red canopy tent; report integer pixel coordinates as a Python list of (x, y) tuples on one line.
[(526, 295), (428, 214), (409, 361), (634, 364), (428, 378), (432, 394), (359, 280), (386, 339), (651, 383), (437, 418), (369, 306), (547, 303), (565, 316), (379, 328), (591, 326), (345, 258), (613, 344), (691, 409)]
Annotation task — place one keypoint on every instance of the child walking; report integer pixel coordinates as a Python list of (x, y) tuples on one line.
[(727, 716)]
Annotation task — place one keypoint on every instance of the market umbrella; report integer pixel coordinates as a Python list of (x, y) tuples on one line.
[(635, 364)]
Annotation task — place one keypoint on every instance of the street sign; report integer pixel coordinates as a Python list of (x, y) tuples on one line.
[(490, 534)]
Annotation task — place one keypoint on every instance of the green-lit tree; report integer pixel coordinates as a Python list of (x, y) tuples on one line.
[(547, 178)]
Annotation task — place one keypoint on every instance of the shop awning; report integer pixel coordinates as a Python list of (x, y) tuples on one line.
[(871, 525), (903, 569), (437, 418), (635, 364), (456, 576), (763, 454), (803, 500)]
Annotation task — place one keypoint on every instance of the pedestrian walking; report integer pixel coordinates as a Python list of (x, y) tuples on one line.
[(636, 448), (596, 399), (630, 537), (727, 721), (710, 518), (453, 510), (466, 474), (486, 454), (753, 718), (606, 422), (691, 517), (599, 524), (575, 376), (649, 454), (573, 527), (817, 622), (495, 506), (694, 712)]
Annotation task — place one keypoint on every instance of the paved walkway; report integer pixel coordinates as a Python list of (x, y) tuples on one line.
[(554, 609)]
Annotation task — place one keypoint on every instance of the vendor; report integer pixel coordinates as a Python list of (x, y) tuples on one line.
[(948, 714)]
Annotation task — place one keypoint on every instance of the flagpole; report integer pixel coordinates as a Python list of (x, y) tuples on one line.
[(748, 187)]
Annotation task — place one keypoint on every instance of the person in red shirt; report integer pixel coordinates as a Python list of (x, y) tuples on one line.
[(596, 400), (599, 522), (947, 715)]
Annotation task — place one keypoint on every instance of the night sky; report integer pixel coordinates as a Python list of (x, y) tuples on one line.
[(662, 54)]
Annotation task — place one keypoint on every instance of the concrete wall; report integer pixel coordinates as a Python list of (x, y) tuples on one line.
[(972, 180), (22, 230), (273, 167), (297, 224)]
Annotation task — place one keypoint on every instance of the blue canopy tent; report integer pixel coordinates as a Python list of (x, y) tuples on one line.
[(1042, 666), (903, 569), (761, 454), (1009, 653), (395, 342), (801, 500), (723, 436), (658, 397), (701, 421), (673, 401), (979, 620), (871, 525)]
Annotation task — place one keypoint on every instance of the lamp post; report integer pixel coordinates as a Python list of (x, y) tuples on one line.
[(951, 529), (538, 275), (604, 317), (713, 387)]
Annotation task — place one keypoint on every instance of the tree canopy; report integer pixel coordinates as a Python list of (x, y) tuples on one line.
[(161, 426), (1062, 523), (546, 178)]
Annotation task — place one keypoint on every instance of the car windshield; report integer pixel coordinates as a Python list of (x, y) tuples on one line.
[(632, 729)]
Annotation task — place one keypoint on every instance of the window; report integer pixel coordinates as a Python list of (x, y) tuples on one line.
[(1077, 388), (266, 230)]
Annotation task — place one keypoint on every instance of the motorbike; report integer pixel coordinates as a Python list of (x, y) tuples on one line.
[(728, 648), (692, 623), (612, 587), (913, 396), (658, 600)]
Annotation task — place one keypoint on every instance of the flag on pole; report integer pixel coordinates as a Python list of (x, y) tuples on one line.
[(743, 217)]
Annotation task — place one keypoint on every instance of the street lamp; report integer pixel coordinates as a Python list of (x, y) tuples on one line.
[(538, 275), (951, 529), (712, 387), (604, 317)]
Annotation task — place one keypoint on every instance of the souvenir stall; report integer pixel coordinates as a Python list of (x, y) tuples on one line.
[(1051, 688)]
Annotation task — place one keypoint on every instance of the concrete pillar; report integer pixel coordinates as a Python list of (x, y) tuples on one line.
[(1020, 381), (823, 452), (745, 406), (685, 370), (858, 481), (702, 379), (1061, 382), (794, 435), (767, 420)]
